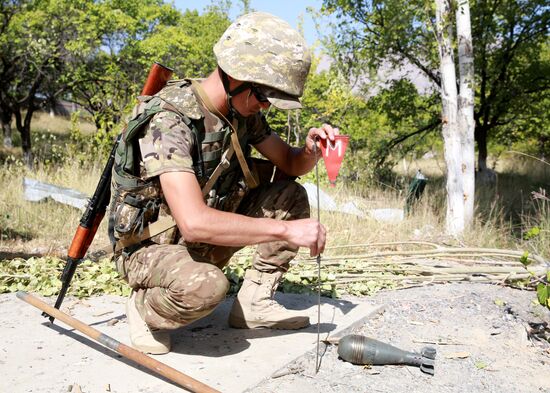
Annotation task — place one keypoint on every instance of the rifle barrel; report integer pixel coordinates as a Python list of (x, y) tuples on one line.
[(89, 223)]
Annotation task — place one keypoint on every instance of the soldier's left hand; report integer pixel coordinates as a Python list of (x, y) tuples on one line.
[(315, 135)]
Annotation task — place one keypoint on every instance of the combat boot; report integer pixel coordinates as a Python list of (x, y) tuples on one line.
[(254, 306), (142, 337)]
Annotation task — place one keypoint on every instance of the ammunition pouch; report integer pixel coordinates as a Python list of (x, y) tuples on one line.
[(135, 208)]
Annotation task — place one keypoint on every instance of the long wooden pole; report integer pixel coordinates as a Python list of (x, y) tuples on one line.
[(160, 368)]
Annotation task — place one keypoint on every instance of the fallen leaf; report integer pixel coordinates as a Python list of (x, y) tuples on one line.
[(480, 364), (112, 322)]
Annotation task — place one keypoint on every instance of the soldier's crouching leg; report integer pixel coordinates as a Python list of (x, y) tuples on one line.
[(172, 290), (283, 200), (254, 306)]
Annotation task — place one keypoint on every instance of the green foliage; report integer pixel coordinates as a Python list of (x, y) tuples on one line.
[(524, 259), (374, 125), (511, 59), (102, 60), (303, 278), (41, 275), (481, 364), (407, 119), (234, 272), (82, 147), (532, 233), (138, 35), (543, 292)]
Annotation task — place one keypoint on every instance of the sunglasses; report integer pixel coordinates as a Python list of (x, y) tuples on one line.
[(260, 96)]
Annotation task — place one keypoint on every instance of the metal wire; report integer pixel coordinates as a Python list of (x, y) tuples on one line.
[(318, 262)]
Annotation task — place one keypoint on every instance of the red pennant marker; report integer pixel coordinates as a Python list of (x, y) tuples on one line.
[(333, 154)]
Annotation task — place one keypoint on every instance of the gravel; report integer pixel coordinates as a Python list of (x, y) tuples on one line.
[(488, 338)]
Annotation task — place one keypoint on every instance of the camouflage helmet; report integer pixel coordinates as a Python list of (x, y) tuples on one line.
[(264, 49)]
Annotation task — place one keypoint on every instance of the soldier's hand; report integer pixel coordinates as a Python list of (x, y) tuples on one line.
[(307, 233), (326, 131)]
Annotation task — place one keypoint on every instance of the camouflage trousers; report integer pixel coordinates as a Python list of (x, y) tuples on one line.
[(177, 284)]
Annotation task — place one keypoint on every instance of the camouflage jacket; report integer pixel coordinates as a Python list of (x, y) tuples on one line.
[(173, 131)]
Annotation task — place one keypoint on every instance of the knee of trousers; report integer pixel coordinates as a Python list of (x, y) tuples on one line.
[(296, 199), (202, 290)]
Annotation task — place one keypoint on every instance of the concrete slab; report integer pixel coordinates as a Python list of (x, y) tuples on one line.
[(38, 357)]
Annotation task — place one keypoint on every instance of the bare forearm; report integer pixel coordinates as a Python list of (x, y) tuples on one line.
[(200, 223), (296, 161), (301, 162), (229, 229)]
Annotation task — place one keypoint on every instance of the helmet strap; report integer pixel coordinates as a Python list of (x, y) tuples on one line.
[(231, 93)]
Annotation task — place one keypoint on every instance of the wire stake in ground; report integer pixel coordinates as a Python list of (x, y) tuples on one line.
[(318, 266)]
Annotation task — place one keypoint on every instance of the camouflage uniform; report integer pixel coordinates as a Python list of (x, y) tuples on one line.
[(178, 282)]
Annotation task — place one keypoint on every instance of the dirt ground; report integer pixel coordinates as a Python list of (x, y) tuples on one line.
[(488, 338)]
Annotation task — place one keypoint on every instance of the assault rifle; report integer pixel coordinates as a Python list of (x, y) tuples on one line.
[(156, 80)]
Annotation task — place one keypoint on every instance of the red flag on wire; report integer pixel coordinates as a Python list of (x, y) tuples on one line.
[(333, 154)]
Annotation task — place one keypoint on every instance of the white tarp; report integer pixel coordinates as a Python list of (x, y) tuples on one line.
[(36, 191), (327, 203)]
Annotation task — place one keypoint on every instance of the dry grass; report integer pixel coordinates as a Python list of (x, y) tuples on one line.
[(505, 212), (42, 122), (48, 225)]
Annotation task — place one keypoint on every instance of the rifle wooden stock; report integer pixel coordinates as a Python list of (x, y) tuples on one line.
[(83, 237), (95, 211), (158, 76)]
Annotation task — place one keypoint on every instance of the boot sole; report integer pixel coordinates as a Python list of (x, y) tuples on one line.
[(151, 351), (241, 323)]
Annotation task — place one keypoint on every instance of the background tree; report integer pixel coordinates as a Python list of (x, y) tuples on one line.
[(95, 54), (38, 43), (133, 38), (451, 131), (399, 36), (511, 62)]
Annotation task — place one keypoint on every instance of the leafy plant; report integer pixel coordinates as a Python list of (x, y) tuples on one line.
[(543, 291), (41, 275)]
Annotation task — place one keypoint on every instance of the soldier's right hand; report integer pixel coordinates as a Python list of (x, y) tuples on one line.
[(307, 232)]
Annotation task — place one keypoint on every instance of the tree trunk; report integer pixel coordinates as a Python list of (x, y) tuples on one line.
[(6, 132), (5, 123), (481, 139), (24, 128), (466, 123), (451, 135)]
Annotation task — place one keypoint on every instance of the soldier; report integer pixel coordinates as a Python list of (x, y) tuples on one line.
[(193, 164)]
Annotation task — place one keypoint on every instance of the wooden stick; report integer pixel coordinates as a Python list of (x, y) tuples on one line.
[(152, 364), (438, 253)]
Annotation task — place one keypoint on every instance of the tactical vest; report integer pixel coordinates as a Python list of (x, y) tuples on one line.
[(135, 202)]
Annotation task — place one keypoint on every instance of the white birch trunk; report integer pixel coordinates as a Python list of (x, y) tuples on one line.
[(451, 135), (466, 123)]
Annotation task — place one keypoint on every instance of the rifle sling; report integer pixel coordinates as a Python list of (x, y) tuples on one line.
[(155, 228)]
